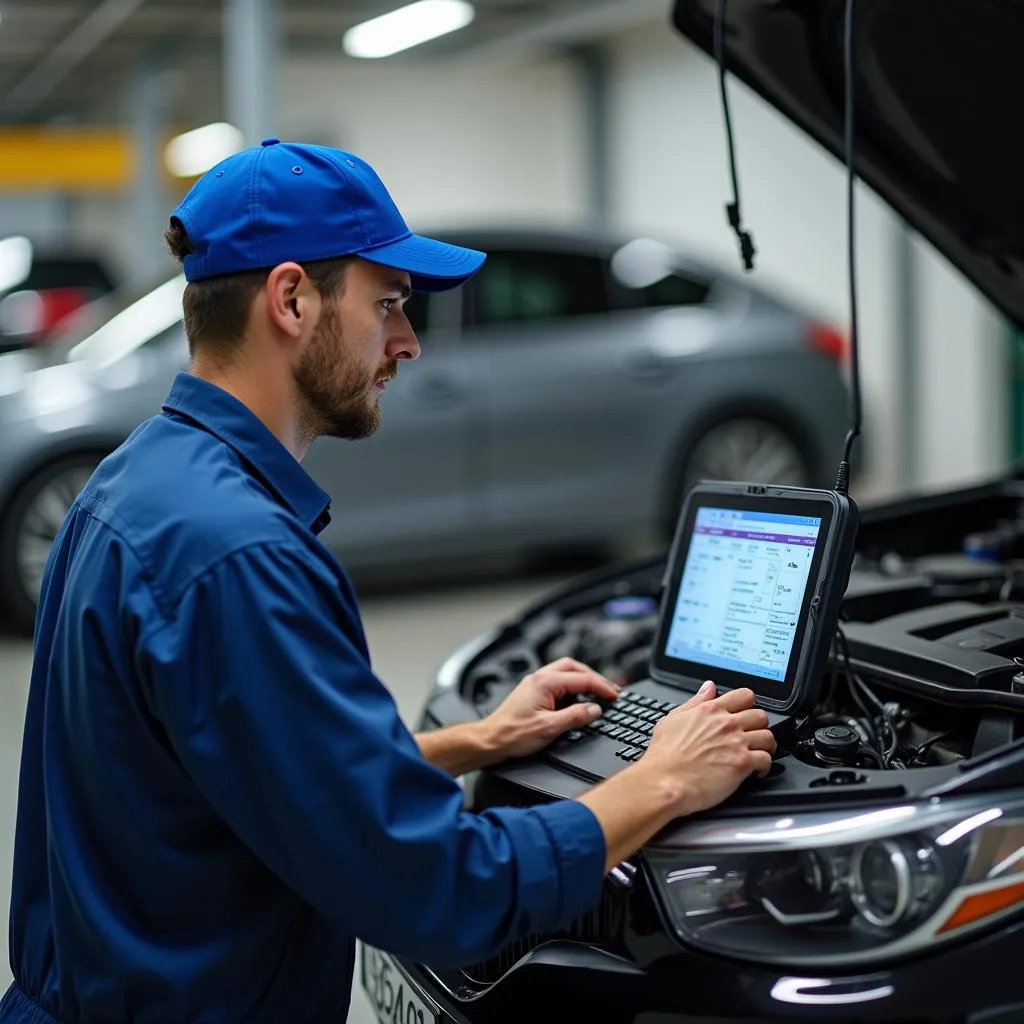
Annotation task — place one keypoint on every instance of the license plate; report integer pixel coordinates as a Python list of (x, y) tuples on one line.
[(391, 993)]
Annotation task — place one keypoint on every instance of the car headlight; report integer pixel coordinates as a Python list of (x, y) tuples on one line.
[(838, 888)]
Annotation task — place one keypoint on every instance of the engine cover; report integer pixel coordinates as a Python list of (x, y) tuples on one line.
[(959, 645)]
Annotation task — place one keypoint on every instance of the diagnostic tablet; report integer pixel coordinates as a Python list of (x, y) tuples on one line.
[(753, 588)]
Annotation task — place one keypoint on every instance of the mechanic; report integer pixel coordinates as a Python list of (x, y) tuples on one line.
[(217, 795)]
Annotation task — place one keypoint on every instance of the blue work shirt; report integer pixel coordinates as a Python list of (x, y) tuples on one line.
[(217, 794)]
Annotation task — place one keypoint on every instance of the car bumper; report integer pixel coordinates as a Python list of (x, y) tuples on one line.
[(564, 982)]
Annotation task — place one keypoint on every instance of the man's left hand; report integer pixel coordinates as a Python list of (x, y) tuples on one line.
[(529, 719)]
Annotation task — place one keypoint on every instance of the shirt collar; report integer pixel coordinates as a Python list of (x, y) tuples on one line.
[(226, 417)]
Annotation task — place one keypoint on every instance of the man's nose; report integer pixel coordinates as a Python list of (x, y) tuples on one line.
[(403, 343)]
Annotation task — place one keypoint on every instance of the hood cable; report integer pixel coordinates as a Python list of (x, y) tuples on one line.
[(843, 477), (732, 209), (747, 249)]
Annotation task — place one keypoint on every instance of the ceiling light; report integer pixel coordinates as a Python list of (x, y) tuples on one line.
[(407, 27), (195, 152)]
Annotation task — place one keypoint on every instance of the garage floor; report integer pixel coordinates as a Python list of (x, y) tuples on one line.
[(409, 637)]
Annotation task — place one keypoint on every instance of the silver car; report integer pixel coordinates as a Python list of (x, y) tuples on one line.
[(566, 396)]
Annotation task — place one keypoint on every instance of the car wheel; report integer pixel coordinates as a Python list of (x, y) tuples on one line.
[(748, 448), (28, 528)]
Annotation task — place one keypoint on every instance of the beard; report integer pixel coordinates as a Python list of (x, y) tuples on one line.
[(333, 388)]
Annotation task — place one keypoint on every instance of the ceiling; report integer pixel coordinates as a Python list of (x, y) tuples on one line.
[(63, 60)]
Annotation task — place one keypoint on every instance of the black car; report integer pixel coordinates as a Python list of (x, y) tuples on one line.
[(877, 874)]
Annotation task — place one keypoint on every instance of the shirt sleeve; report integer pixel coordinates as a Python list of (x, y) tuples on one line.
[(272, 708)]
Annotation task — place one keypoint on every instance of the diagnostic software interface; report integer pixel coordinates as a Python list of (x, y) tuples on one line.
[(742, 589)]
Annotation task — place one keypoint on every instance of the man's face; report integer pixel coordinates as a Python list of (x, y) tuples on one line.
[(356, 346)]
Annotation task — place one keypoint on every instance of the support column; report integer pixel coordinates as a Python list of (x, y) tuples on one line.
[(593, 64), (150, 202), (250, 64)]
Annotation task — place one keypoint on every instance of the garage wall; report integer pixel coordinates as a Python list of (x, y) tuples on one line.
[(963, 378), (671, 177), (474, 139), (42, 217)]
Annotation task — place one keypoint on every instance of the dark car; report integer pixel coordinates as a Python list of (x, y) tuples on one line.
[(875, 880), (41, 289)]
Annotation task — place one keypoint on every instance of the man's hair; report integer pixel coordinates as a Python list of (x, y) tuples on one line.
[(217, 309)]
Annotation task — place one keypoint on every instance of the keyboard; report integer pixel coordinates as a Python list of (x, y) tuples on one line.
[(619, 736), (630, 722)]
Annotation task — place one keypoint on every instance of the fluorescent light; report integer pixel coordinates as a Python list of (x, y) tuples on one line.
[(407, 27), (15, 261), (195, 152)]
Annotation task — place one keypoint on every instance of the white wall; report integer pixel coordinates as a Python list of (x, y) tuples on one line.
[(453, 143), (963, 378), (671, 177)]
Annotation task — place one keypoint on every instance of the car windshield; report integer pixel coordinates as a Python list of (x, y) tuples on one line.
[(115, 326)]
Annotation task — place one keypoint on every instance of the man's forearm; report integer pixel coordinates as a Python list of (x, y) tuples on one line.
[(633, 806), (458, 749)]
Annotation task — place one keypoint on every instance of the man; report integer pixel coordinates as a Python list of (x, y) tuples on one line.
[(217, 795)]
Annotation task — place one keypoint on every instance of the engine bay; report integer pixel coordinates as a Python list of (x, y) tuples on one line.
[(925, 678)]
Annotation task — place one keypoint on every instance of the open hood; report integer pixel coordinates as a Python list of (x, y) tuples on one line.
[(937, 97)]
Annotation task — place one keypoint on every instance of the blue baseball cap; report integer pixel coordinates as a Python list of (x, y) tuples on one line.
[(282, 201)]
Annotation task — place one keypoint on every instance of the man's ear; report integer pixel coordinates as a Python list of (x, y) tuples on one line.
[(292, 301)]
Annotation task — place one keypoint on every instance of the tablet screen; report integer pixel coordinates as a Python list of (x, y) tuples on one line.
[(742, 589)]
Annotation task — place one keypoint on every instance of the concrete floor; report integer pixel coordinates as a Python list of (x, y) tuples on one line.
[(409, 637)]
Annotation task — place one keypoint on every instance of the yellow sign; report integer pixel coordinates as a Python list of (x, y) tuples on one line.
[(45, 159)]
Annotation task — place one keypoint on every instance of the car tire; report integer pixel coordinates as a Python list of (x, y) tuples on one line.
[(28, 527), (743, 447)]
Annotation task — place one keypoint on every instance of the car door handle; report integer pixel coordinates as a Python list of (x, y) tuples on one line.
[(438, 390)]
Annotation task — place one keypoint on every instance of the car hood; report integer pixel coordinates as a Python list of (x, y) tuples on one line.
[(936, 87)]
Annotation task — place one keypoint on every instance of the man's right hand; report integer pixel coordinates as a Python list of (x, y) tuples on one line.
[(698, 755), (710, 745)]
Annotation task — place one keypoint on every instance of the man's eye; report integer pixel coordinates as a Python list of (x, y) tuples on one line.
[(388, 304)]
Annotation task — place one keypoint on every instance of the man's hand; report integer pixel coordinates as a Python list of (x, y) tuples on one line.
[(699, 754), (711, 744), (527, 720)]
